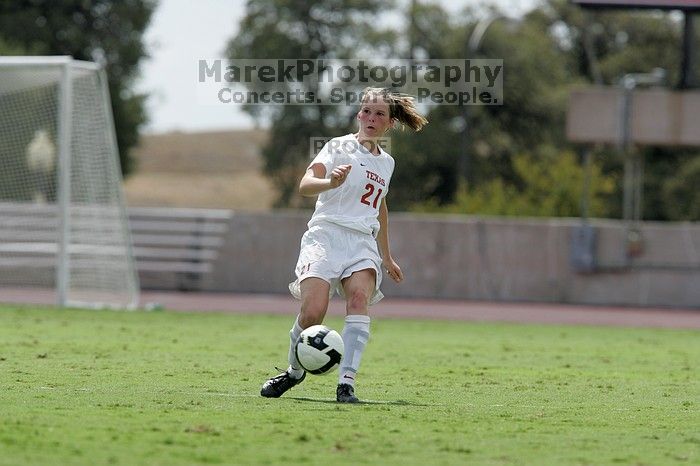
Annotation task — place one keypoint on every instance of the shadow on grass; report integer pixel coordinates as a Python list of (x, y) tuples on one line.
[(362, 402), (325, 400)]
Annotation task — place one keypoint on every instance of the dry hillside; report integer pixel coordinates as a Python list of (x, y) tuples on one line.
[(218, 169)]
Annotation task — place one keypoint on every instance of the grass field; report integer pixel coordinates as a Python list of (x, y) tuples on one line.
[(162, 388)]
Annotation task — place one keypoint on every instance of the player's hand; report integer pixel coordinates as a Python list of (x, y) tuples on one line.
[(393, 270), (339, 175)]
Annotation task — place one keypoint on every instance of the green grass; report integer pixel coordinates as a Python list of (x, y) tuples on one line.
[(162, 388)]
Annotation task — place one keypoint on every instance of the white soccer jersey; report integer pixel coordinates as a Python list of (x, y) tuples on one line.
[(355, 204)]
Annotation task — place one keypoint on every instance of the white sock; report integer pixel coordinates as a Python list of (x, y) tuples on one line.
[(294, 368), (355, 337)]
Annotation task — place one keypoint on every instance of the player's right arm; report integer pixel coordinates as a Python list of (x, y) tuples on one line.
[(315, 182)]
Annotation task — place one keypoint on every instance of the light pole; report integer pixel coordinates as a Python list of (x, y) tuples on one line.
[(461, 123), (633, 162)]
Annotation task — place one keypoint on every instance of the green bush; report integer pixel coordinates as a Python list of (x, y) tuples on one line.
[(549, 184)]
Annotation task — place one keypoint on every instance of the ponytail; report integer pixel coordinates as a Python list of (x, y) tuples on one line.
[(401, 106)]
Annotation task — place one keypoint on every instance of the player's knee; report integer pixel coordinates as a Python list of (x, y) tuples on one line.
[(357, 301), (311, 314)]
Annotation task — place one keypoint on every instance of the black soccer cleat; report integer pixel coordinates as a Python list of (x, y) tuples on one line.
[(279, 384), (345, 393)]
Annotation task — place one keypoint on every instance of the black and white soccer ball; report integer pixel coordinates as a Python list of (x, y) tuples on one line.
[(319, 350)]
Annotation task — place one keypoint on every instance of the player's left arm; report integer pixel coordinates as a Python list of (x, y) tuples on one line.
[(388, 261)]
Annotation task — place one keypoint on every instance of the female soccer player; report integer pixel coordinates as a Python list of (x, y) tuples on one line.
[(346, 246)]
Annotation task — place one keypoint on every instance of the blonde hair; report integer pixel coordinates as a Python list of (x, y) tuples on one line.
[(401, 106)]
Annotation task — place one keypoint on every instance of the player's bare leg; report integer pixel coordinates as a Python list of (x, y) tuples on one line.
[(314, 304), (358, 288), (314, 301)]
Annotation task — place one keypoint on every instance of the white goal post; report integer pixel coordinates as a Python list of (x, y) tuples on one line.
[(63, 221)]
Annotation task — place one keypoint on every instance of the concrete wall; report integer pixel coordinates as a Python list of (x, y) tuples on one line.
[(501, 259)]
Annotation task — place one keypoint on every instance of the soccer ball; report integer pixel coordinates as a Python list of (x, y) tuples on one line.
[(319, 349)]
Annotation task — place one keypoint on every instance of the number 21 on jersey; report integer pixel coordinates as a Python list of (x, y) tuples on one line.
[(368, 194)]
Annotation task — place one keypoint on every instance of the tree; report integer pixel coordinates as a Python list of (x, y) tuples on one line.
[(620, 43), (98, 30), (478, 151), (328, 29), (476, 144), (426, 162), (554, 48), (680, 193)]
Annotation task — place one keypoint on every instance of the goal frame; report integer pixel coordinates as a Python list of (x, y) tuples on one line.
[(67, 65)]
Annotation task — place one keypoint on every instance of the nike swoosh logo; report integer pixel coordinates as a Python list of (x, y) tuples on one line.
[(363, 165), (348, 377)]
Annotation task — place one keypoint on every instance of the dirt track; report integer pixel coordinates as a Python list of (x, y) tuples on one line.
[(455, 310), (404, 308)]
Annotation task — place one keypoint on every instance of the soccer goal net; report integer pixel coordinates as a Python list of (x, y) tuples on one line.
[(63, 222)]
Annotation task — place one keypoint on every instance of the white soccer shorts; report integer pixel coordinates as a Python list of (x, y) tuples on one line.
[(332, 252)]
